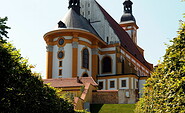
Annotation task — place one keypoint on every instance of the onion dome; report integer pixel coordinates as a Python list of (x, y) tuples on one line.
[(127, 16), (74, 20)]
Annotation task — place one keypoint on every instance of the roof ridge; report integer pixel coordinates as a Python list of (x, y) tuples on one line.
[(94, 83), (122, 34)]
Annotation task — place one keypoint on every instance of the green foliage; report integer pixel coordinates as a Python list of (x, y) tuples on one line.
[(22, 91), (66, 96), (81, 111), (82, 89), (69, 97), (3, 28), (164, 91)]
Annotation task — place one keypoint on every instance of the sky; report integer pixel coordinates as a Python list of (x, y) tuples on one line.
[(158, 22)]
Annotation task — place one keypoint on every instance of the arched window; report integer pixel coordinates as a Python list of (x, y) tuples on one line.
[(85, 75), (85, 58), (106, 65), (123, 66)]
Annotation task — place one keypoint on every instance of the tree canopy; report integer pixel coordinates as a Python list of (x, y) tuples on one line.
[(20, 91), (3, 28), (164, 91)]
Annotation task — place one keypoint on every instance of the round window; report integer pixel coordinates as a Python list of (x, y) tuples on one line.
[(60, 54), (61, 41)]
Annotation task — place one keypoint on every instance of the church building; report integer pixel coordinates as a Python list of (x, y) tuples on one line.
[(89, 44)]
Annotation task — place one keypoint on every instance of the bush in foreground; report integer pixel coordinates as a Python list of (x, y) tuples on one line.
[(164, 91), (20, 90)]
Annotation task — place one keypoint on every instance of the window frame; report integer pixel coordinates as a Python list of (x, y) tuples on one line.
[(83, 59), (62, 56), (136, 84), (115, 84), (61, 45), (112, 82), (60, 72), (125, 84), (123, 66), (102, 65), (60, 63), (104, 83), (120, 83)]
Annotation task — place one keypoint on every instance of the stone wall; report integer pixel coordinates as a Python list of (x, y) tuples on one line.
[(128, 96), (122, 96), (105, 97)]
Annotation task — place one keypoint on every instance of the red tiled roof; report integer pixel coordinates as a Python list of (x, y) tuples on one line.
[(84, 93), (69, 82), (126, 41)]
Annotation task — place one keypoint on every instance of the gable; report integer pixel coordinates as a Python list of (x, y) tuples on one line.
[(91, 11)]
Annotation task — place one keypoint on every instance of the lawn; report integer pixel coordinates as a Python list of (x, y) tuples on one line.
[(112, 108)]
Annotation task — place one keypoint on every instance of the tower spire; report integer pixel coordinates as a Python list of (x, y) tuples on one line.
[(128, 22), (75, 4), (127, 16), (127, 6)]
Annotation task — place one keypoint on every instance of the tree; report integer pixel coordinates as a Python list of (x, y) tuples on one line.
[(164, 91), (20, 91), (3, 28)]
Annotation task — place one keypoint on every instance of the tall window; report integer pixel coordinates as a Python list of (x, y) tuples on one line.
[(60, 63), (106, 65), (60, 72), (98, 65), (101, 84), (137, 85), (123, 67), (107, 39), (85, 58)]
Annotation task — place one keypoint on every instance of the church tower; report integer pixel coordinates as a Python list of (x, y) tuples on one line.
[(89, 46), (72, 46), (128, 22)]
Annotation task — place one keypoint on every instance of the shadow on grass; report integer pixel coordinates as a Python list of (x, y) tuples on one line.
[(95, 108)]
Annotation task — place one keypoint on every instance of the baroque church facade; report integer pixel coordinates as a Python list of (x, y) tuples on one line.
[(88, 42)]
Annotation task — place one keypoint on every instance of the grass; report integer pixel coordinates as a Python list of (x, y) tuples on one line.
[(112, 108)]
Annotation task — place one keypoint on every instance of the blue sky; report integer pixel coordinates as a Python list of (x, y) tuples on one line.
[(158, 21)]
